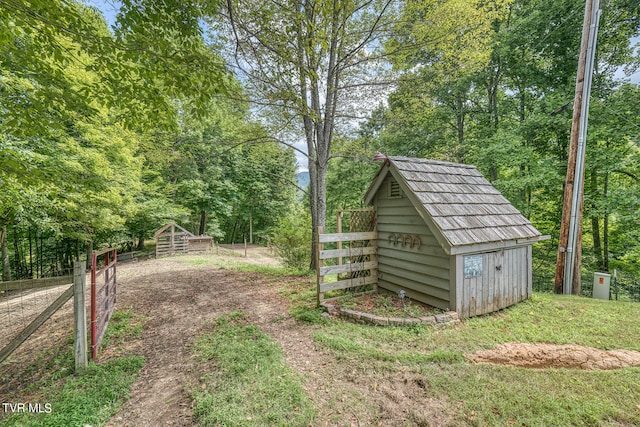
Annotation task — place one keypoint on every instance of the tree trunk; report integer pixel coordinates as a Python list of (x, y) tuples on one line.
[(597, 242), (313, 206), (202, 229), (17, 255), (524, 169), (460, 127), (140, 246), (492, 97), (41, 255), (89, 253), (318, 200), (6, 265), (30, 267)]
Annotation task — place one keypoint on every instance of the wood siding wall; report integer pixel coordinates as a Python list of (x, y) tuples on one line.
[(505, 280), (423, 272), (199, 244)]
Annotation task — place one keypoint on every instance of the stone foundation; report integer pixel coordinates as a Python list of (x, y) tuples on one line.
[(443, 319)]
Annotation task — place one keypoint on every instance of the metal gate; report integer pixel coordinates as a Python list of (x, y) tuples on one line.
[(103, 294)]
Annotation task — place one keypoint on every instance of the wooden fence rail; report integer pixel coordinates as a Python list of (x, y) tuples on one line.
[(27, 284), (361, 267)]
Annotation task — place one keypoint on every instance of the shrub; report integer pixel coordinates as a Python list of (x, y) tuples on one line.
[(292, 238)]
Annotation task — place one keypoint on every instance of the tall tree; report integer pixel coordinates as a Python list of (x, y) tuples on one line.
[(511, 114), (613, 177), (310, 62), (71, 93)]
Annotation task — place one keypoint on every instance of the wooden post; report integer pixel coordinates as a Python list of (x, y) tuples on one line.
[(571, 224), (319, 277), (173, 237), (245, 247), (339, 227), (251, 226), (80, 314)]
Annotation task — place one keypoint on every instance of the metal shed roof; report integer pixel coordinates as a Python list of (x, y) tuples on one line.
[(464, 207)]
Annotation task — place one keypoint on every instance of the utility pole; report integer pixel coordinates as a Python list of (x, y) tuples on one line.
[(568, 265)]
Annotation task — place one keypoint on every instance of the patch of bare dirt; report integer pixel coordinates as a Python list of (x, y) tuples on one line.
[(179, 299), (541, 356), (385, 304)]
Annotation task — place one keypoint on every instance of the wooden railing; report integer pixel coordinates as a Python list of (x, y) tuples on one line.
[(362, 264)]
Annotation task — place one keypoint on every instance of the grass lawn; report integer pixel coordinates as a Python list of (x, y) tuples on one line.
[(502, 395), (89, 397), (244, 378), (247, 381), (480, 395)]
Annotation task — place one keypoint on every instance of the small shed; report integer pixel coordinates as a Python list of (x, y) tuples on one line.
[(448, 238), (174, 240)]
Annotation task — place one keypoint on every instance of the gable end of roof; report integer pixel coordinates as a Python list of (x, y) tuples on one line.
[(465, 208)]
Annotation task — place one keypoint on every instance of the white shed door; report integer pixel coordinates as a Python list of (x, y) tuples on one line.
[(494, 280)]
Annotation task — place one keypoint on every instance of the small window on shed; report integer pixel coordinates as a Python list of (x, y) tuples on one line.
[(394, 189)]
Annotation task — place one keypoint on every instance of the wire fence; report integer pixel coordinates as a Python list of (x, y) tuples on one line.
[(36, 269), (623, 286), (47, 352)]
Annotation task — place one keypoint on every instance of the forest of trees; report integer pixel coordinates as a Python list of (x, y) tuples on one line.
[(194, 111), (108, 134), (509, 113)]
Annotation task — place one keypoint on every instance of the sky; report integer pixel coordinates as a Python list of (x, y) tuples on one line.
[(634, 78), (109, 8)]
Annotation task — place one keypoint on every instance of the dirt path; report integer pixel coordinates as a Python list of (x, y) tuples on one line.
[(179, 298)]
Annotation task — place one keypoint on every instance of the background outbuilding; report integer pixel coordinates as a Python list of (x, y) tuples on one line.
[(173, 239)]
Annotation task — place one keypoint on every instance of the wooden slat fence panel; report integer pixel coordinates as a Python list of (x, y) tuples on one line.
[(348, 268), (172, 239), (361, 273), (348, 283), (349, 252)]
